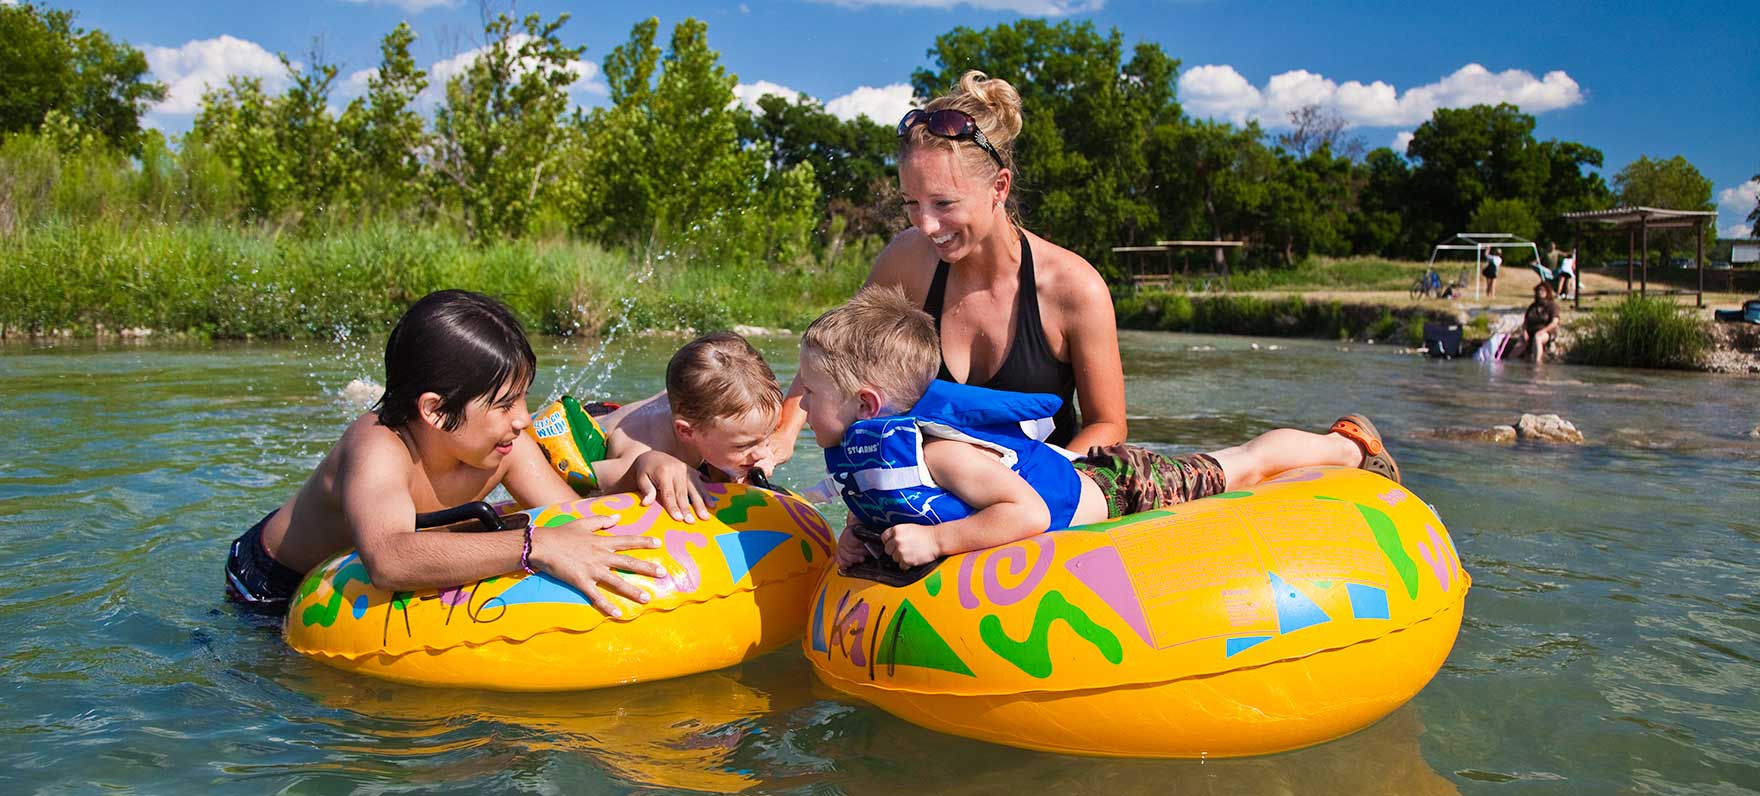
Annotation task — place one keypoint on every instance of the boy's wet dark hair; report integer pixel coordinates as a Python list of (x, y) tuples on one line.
[(460, 345)]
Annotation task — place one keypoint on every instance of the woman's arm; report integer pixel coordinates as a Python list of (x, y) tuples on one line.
[(1092, 331)]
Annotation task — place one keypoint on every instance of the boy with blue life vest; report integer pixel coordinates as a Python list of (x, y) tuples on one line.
[(448, 430), (932, 468)]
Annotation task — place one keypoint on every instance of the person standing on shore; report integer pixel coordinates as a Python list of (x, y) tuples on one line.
[(1493, 262), (1015, 312)]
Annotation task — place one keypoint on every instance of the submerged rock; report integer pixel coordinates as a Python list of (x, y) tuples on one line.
[(1548, 428), (1496, 435), (1755, 433)]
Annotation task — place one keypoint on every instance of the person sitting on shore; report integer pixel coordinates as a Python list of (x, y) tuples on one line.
[(931, 468), (1539, 323), (449, 428), (713, 421)]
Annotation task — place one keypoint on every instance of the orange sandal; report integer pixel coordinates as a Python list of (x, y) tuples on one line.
[(1376, 459)]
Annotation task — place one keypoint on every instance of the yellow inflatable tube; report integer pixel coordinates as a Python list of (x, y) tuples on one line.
[(1247, 623), (736, 586)]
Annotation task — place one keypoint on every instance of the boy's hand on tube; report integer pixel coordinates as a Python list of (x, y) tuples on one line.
[(850, 550), (678, 487), (575, 555), (911, 545)]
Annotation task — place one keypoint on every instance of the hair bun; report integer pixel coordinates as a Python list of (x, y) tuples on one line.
[(1000, 97)]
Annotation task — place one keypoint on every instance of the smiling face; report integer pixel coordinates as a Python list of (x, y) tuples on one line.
[(953, 204), (733, 445), (488, 427)]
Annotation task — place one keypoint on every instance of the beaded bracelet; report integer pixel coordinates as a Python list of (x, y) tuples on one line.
[(525, 556)]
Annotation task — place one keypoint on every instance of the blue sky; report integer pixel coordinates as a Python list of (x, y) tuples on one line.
[(1655, 78)]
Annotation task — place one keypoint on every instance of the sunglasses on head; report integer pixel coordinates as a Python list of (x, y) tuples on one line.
[(951, 124)]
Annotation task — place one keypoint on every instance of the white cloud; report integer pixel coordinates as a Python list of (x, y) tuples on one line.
[(748, 94), (1218, 91), (1029, 8), (886, 104), (411, 6), (1733, 207), (198, 66), (1402, 140)]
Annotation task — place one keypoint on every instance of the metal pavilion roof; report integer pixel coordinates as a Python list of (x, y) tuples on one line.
[(1652, 217)]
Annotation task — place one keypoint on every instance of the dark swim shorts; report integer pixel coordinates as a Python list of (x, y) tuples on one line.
[(1135, 479), (254, 579)]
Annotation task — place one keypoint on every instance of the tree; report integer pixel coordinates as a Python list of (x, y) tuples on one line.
[(665, 165), (47, 64), (1313, 126), (1213, 177), (850, 159), (237, 123), (386, 136), (1468, 155), (1570, 185), (1306, 204), (1381, 223), (1085, 178), (497, 137), (1673, 184), (1513, 216)]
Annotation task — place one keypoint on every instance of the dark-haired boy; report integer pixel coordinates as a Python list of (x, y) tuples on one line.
[(449, 429)]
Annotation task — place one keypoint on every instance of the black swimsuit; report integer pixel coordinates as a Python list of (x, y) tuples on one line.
[(1029, 366)]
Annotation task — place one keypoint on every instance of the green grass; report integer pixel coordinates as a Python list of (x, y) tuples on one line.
[(1288, 316), (1364, 274), (214, 279), (1642, 332)]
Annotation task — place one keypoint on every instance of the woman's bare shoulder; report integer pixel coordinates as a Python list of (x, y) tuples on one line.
[(1073, 282), (907, 261)]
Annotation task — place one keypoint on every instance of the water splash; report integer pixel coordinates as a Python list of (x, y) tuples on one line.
[(588, 380)]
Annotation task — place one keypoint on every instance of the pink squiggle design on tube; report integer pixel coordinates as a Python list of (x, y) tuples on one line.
[(677, 546), (848, 631), (966, 598), (809, 519), (1015, 555), (1435, 553), (453, 596), (1393, 497)]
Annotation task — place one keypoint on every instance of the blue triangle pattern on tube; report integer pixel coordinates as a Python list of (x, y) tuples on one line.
[(1294, 610), (742, 549)]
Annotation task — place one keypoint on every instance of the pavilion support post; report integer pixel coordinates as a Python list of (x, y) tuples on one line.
[(1644, 257), (1577, 280), (1699, 257), (1631, 257)]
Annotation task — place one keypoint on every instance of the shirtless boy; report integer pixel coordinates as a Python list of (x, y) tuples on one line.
[(449, 429)]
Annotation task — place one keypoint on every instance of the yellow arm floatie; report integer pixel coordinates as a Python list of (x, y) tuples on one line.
[(572, 440)]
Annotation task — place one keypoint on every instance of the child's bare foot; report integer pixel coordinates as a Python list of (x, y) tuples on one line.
[(1376, 459)]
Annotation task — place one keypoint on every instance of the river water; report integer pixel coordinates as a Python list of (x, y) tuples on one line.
[(1610, 642)]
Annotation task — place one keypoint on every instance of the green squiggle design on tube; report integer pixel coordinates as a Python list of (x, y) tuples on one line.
[(1033, 655), (325, 614), (736, 510), (1387, 536)]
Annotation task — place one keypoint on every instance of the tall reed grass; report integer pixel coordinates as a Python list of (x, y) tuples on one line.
[(216, 279), (1642, 332)]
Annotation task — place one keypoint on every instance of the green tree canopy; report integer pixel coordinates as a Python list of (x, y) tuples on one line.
[(1468, 155), (48, 64)]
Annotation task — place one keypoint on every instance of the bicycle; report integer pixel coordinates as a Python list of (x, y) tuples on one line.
[(1428, 286)]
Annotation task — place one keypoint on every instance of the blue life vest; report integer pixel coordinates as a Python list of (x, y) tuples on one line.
[(879, 465)]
